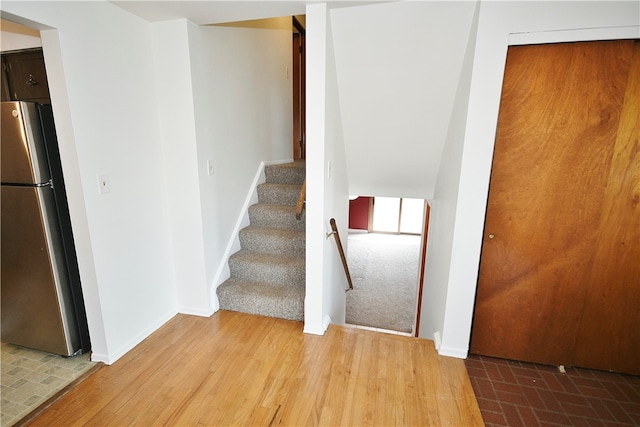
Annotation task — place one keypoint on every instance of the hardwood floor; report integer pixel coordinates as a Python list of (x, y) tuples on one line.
[(238, 369)]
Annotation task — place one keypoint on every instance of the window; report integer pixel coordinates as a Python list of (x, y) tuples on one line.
[(398, 215)]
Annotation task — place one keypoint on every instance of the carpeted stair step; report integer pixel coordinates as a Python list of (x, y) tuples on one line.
[(263, 298), (273, 240), (267, 276), (279, 194), (275, 216), (288, 173), (267, 267)]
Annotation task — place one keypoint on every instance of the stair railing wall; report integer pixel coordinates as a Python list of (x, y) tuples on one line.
[(343, 257)]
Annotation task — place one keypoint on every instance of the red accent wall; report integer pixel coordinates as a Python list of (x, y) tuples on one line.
[(359, 213)]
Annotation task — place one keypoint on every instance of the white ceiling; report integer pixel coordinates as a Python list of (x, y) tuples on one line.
[(217, 11)]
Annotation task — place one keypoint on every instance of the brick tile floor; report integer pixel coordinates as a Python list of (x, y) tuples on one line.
[(512, 393)]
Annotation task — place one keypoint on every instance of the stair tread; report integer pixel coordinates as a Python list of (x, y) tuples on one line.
[(272, 231), (279, 194), (297, 187), (273, 207), (275, 216), (286, 173), (273, 240), (296, 164), (263, 287), (263, 298), (266, 267), (265, 257)]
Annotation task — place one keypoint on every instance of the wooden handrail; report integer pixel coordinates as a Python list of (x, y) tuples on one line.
[(336, 234), (303, 195)]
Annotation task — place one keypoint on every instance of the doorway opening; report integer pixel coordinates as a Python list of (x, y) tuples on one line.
[(385, 255), (58, 354), (299, 83)]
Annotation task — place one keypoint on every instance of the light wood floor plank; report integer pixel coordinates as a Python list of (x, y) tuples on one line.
[(238, 369)]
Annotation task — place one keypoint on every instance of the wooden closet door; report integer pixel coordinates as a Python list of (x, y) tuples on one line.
[(609, 336), (550, 185)]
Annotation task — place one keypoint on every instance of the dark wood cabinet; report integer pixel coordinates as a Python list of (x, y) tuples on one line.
[(24, 77)]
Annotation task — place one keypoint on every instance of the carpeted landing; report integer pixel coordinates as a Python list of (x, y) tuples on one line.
[(384, 269)]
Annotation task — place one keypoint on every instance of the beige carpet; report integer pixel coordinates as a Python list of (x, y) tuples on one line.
[(384, 269), (30, 377)]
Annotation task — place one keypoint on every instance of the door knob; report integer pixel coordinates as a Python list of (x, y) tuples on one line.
[(31, 81), (491, 236)]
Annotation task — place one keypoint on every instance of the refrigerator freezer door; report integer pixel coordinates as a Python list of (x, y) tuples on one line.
[(23, 157), (33, 279)]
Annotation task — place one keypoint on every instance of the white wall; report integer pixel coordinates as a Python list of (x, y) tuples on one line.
[(225, 96), (398, 65), (443, 206), (326, 193), (498, 22), (336, 196), (316, 44), (177, 118), (104, 99), (242, 94)]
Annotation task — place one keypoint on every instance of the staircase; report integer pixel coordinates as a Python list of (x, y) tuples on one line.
[(268, 273)]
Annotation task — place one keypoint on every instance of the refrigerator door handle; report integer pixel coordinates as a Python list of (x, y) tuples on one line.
[(48, 183)]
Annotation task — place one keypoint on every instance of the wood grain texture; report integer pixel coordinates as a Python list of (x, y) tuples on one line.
[(239, 369), (609, 334), (551, 189)]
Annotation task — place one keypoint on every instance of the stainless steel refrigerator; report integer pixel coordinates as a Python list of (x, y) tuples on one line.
[(41, 296)]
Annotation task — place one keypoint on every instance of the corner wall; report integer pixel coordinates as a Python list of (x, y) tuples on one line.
[(337, 191), (174, 86), (326, 178), (443, 207)]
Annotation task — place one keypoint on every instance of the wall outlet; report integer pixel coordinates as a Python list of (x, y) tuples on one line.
[(104, 184), (210, 169)]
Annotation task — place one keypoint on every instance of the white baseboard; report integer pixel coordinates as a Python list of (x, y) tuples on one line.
[(317, 329), (313, 330), (436, 340), (458, 353), (193, 311), (233, 244), (326, 322), (112, 357)]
